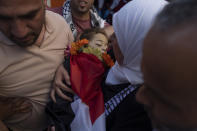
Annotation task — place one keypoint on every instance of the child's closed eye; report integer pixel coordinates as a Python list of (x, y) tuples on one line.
[(97, 44)]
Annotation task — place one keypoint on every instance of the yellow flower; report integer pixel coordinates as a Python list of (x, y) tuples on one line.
[(93, 51)]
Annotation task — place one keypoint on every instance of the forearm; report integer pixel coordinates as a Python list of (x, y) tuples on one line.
[(3, 126)]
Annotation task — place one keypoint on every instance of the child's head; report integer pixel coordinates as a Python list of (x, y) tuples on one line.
[(97, 38)]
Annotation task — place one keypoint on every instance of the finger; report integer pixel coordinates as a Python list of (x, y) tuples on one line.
[(64, 87), (66, 77), (17, 102), (59, 92), (23, 110), (53, 128), (25, 107), (3, 126), (53, 95)]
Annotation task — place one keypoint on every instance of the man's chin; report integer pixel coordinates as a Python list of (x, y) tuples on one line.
[(83, 10), (24, 44)]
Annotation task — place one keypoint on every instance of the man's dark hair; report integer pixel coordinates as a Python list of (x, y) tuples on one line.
[(176, 13), (89, 33)]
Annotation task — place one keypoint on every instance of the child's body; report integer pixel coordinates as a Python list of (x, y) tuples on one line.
[(60, 113)]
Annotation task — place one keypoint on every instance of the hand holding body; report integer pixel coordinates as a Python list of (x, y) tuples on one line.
[(13, 105)]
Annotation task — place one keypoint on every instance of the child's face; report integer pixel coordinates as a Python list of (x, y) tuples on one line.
[(99, 41)]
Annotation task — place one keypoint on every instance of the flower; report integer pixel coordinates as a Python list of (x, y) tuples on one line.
[(75, 46), (83, 42), (93, 51), (107, 59)]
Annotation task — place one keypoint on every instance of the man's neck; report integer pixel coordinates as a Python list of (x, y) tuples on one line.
[(81, 16)]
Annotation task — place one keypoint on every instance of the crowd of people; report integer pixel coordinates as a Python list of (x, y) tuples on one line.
[(68, 69)]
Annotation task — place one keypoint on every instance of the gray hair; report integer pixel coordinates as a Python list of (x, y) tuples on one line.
[(176, 13)]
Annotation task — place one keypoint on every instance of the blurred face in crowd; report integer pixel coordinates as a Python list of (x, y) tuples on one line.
[(99, 41), (22, 20), (117, 52), (170, 85), (81, 6)]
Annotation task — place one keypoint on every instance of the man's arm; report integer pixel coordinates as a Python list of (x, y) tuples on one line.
[(58, 84)]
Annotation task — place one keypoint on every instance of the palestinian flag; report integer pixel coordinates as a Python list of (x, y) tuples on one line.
[(86, 112), (86, 72)]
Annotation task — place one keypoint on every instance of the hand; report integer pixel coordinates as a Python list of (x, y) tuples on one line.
[(13, 105), (61, 75), (51, 128), (3, 126)]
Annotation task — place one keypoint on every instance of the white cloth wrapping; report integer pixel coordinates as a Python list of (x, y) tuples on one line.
[(131, 25), (82, 120)]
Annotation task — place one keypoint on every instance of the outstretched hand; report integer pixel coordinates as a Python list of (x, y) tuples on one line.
[(58, 84), (13, 105)]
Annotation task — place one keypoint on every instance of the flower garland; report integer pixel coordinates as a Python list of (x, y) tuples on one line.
[(107, 59), (75, 46), (82, 46)]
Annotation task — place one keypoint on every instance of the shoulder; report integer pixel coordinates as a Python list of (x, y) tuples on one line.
[(57, 24), (55, 20), (58, 10)]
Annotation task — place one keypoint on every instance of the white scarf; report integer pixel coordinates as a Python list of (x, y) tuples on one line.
[(131, 25)]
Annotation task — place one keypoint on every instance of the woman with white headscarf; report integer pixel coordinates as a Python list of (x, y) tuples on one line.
[(130, 25)]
